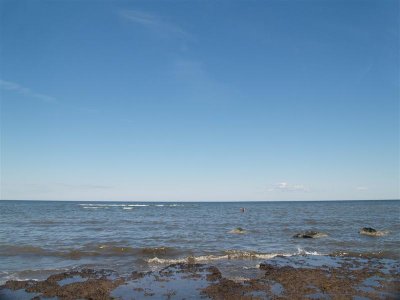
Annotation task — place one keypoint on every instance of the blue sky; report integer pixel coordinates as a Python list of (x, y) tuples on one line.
[(199, 100)]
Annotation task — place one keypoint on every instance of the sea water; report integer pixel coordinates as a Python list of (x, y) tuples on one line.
[(39, 238)]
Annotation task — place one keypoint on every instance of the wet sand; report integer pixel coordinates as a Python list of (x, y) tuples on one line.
[(283, 277)]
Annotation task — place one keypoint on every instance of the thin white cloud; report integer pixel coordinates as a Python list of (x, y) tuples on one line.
[(155, 23), (197, 84), (140, 17), (85, 186), (17, 88), (190, 70), (361, 188), (287, 187)]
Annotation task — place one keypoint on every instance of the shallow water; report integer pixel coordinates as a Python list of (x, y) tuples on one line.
[(38, 238)]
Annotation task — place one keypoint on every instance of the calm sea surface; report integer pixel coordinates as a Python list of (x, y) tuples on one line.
[(38, 238)]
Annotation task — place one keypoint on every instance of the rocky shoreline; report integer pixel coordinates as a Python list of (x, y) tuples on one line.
[(296, 277)]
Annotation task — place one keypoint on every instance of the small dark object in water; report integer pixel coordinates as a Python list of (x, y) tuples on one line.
[(372, 232), (238, 230), (242, 209), (309, 235), (369, 229)]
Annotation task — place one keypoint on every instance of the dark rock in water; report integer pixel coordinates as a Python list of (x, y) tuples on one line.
[(238, 230), (310, 235), (368, 229), (214, 275), (372, 232)]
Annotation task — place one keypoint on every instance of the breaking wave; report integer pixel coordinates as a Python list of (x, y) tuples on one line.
[(167, 255), (123, 206), (227, 255), (378, 254), (301, 251)]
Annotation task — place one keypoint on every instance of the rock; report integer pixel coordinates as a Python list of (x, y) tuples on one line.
[(214, 275), (238, 230), (96, 287), (310, 235), (369, 230), (372, 232)]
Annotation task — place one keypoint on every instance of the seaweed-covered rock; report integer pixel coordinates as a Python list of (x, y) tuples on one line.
[(310, 235), (368, 229), (238, 230), (96, 287), (372, 232)]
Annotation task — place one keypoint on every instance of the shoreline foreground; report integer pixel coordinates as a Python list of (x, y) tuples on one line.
[(282, 277)]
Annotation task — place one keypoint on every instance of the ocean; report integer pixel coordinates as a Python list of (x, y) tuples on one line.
[(40, 238)]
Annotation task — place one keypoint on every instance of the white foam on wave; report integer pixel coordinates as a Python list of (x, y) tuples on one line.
[(191, 259), (111, 205), (301, 251), (161, 261), (127, 208), (101, 205), (92, 207), (32, 274), (16, 278), (235, 254), (204, 258), (230, 255)]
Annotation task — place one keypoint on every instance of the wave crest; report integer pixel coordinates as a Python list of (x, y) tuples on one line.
[(230, 254), (123, 206)]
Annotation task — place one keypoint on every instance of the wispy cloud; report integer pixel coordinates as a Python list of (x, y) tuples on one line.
[(287, 187), (84, 186), (17, 88), (198, 85), (186, 68), (155, 23), (361, 188)]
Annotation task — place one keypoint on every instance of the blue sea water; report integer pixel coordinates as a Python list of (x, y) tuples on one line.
[(38, 238)]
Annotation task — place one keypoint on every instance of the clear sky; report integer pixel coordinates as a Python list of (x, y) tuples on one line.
[(199, 100)]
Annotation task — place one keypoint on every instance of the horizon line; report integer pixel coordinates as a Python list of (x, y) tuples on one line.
[(200, 201)]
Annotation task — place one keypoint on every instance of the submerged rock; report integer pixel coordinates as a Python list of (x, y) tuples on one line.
[(214, 275), (310, 235), (371, 231), (238, 230)]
